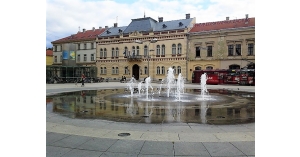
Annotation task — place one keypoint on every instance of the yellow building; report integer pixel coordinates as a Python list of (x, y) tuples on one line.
[(145, 47)]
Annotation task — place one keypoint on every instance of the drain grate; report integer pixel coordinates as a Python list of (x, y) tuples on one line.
[(124, 134)]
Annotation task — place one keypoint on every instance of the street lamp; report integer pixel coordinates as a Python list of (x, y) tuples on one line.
[(154, 40)]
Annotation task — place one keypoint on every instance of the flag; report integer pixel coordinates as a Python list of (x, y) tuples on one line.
[(124, 52)]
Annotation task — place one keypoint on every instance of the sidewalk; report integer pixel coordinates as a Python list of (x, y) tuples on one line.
[(85, 137)]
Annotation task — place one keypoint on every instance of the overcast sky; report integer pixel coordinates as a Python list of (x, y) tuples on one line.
[(65, 17)]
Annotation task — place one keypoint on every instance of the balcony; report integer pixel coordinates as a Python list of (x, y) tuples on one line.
[(134, 58)]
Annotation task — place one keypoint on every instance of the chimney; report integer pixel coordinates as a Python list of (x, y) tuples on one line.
[(83, 30), (93, 28), (187, 16), (227, 18), (106, 27), (115, 24), (100, 27), (246, 16), (160, 19)]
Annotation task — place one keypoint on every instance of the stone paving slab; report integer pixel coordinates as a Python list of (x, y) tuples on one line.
[(157, 148), (126, 146), (98, 144), (82, 153), (224, 149), (190, 149)]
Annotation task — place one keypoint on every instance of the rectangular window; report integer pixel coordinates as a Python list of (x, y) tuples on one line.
[(126, 70), (238, 49), (78, 46), (209, 51), (250, 49), (84, 57), (55, 59), (84, 46), (197, 51), (92, 57), (60, 58), (78, 58), (230, 50), (92, 45)]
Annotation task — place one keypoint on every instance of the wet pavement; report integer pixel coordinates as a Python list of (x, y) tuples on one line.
[(69, 136)]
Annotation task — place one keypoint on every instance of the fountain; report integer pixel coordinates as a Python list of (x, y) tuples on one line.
[(170, 80), (203, 80), (131, 84)]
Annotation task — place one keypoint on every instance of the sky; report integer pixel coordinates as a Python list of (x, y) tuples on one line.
[(66, 17)]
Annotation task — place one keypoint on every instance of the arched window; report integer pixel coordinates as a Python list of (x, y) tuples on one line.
[(179, 49), (158, 70), (101, 53), (197, 68), (157, 50), (101, 70), (145, 51), (133, 50), (163, 50), (117, 70), (117, 52), (174, 69), (209, 68), (105, 53), (162, 70), (113, 70), (125, 51), (104, 70), (145, 70), (137, 50), (173, 49), (178, 70), (112, 52), (234, 66)]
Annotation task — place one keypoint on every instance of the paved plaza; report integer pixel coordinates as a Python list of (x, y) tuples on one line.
[(67, 137)]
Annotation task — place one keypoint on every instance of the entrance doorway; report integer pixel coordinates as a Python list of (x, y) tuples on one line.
[(135, 71)]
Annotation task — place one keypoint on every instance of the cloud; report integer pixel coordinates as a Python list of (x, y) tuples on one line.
[(64, 17)]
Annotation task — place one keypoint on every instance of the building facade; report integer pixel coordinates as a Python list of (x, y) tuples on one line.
[(227, 44), (145, 47)]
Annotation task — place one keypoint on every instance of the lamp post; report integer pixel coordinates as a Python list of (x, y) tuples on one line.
[(154, 40)]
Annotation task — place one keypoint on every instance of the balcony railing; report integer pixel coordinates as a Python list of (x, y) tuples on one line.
[(134, 58)]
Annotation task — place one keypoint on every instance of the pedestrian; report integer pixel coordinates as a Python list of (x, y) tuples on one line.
[(82, 80)]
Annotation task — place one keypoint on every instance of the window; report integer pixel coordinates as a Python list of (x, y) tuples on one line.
[(92, 45), (60, 58), (117, 70), (178, 70), (92, 57), (250, 49), (234, 66), (78, 58), (209, 51), (126, 51), (112, 52), (158, 70), (179, 49), (162, 70), (197, 51), (126, 70), (84, 57), (173, 49), (55, 48), (209, 68), (101, 70), (145, 51), (117, 52), (104, 70), (84, 45), (105, 53), (133, 50), (238, 49), (78, 46), (174, 69), (101, 53), (157, 50), (163, 50), (230, 50), (145, 70), (197, 68), (55, 59), (137, 50), (113, 70)]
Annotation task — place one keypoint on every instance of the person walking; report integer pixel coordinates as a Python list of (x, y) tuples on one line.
[(82, 80)]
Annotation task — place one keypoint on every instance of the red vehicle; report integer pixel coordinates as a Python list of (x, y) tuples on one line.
[(213, 76), (246, 77), (232, 76)]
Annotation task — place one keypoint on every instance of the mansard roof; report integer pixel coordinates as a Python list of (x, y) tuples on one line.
[(226, 24), (113, 31), (81, 36), (145, 24), (173, 25)]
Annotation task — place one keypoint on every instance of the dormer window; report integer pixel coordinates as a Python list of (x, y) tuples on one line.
[(180, 24), (120, 31), (164, 26), (108, 32)]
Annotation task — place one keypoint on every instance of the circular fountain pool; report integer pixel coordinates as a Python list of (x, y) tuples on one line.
[(219, 107)]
